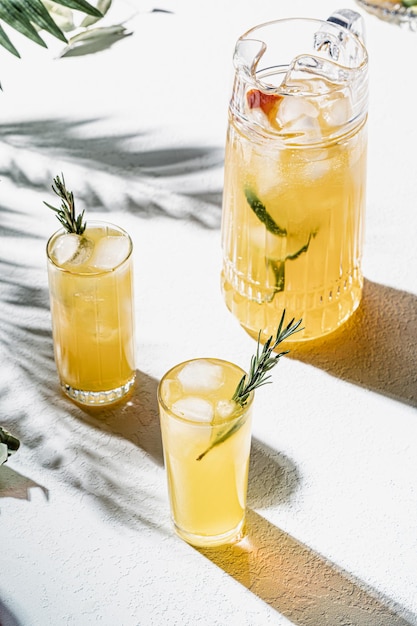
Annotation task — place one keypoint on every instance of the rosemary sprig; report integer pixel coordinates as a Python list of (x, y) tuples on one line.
[(66, 213), (261, 363)]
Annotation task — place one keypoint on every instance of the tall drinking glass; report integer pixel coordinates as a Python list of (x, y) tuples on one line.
[(295, 175), (91, 295), (206, 440)]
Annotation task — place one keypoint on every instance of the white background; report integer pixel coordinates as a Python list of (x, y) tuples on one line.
[(138, 131)]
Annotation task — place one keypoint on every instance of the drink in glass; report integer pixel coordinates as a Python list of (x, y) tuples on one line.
[(206, 440), (91, 294), (295, 174)]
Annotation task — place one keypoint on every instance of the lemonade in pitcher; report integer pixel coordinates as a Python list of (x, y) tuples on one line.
[(295, 177)]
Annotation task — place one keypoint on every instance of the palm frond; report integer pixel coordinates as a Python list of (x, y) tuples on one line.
[(39, 16), (19, 16), (80, 5), (103, 6), (6, 43), (25, 15), (93, 40)]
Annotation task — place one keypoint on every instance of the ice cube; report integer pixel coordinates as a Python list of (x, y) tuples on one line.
[(170, 389), (298, 116), (257, 236), (71, 249), (201, 376), (336, 110), (266, 172), (257, 116), (110, 251), (294, 107), (225, 408), (193, 408)]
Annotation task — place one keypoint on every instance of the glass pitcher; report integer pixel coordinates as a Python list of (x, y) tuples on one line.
[(295, 174)]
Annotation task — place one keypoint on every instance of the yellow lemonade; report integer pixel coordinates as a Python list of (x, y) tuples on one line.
[(308, 261), (295, 176), (206, 440), (92, 308)]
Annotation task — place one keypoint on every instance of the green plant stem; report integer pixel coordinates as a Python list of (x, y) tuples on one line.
[(261, 363)]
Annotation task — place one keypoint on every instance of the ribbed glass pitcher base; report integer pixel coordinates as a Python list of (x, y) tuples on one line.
[(98, 398), (322, 310)]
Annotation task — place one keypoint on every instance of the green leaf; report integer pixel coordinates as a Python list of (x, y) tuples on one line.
[(222, 436), (6, 43), (11, 442), (278, 265), (62, 16), (262, 214), (18, 17), (80, 5), (103, 6), (23, 14), (38, 15), (94, 40), (261, 363)]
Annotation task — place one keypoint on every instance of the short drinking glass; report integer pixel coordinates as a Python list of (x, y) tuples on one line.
[(92, 307), (206, 439)]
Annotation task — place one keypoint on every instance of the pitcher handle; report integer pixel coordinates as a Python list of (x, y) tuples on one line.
[(351, 20)]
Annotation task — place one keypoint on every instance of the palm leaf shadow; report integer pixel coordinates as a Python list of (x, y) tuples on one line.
[(162, 182), (66, 438), (177, 182)]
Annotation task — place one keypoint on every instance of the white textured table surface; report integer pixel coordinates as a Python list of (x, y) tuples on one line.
[(85, 532)]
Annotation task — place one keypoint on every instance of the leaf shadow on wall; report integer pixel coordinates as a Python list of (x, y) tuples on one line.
[(376, 348), (301, 584)]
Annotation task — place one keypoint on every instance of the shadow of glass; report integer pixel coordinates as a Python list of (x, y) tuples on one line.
[(300, 584), (135, 418), (92, 449), (376, 348), (273, 477), (7, 618)]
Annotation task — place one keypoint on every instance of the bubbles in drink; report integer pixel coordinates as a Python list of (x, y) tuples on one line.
[(201, 376), (193, 408), (109, 252), (72, 250)]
